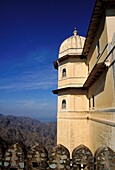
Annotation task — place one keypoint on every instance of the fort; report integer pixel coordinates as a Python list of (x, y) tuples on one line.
[(86, 83), (16, 157), (86, 103)]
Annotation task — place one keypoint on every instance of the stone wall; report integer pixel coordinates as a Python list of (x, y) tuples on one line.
[(16, 157)]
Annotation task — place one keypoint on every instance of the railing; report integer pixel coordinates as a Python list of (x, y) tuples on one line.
[(37, 158)]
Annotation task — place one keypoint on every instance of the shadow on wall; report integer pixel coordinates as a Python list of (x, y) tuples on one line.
[(37, 157), (99, 85)]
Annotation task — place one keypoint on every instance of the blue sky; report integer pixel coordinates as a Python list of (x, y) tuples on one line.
[(31, 32)]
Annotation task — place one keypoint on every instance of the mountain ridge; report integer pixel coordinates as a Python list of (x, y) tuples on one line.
[(28, 131)]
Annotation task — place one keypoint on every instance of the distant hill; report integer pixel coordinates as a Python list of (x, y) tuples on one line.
[(27, 131)]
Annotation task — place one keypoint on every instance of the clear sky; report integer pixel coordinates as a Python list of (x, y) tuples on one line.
[(31, 32)]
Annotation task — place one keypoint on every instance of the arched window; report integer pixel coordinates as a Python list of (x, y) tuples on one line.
[(63, 104), (64, 72)]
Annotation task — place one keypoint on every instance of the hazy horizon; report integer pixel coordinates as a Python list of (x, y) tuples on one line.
[(31, 32)]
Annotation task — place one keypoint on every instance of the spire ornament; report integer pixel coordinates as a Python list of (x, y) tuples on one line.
[(75, 32)]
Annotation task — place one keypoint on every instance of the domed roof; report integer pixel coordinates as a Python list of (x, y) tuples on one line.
[(72, 45)]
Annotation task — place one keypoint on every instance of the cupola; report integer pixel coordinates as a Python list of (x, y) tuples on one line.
[(72, 45)]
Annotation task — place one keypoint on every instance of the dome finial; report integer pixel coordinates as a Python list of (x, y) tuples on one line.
[(75, 32)]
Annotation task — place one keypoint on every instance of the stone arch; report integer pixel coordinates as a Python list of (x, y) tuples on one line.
[(104, 158), (37, 158), (63, 104), (14, 157), (59, 158), (82, 157), (64, 72)]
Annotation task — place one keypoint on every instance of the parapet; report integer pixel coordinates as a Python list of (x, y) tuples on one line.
[(37, 158)]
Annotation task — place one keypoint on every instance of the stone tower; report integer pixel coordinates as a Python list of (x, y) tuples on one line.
[(72, 100)]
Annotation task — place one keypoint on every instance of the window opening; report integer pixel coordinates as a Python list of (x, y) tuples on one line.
[(82, 166), (35, 164), (93, 102), (64, 72), (64, 104)]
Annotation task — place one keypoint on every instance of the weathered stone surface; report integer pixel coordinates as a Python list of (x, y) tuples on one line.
[(104, 158), (37, 158), (14, 157), (59, 158), (82, 157)]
